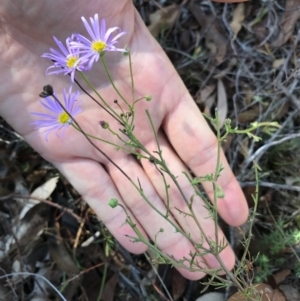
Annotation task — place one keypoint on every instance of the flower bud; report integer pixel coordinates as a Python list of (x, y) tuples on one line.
[(219, 192), (113, 203), (104, 124)]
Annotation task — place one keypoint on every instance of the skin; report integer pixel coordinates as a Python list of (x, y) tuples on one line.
[(26, 32)]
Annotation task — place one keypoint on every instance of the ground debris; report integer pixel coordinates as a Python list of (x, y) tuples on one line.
[(288, 23)]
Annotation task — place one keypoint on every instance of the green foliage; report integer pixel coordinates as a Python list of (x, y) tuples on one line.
[(273, 244), (276, 241), (265, 268)]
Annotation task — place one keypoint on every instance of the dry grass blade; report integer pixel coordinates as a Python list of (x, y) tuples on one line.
[(38, 276), (237, 19), (163, 19), (215, 38), (207, 98), (291, 16), (52, 204), (222, 106), (42, 192)]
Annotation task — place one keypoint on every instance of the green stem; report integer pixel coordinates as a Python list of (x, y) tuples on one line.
[(100, 97), (247, 244), (111, 143), (102, 281), (104, 273), (132, 89), (248, 130), (131, 76), (139, 99), (111, 80), (215, 178), (254, 127), (162, 162), (215, 252), (170, 260)]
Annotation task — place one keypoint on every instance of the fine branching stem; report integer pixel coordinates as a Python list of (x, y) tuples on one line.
[(117, 146), (215, 178), (112, 81), (96, 101), (90, 141), (204, 244), (115, 114), (163, 162), (131, 76)]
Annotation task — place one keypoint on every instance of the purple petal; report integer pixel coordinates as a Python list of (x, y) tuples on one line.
[(103, 29), (88, 28), (95, 25), (109, 32), (61, 46), (118, 36)]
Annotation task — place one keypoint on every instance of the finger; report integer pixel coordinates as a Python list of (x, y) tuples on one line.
[(196, 145), (169, 241), (94, 184), (178, 204)]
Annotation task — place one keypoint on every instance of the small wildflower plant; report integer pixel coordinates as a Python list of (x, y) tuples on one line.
[(78, 56), (101, 40), (67, 60), (59, 117)]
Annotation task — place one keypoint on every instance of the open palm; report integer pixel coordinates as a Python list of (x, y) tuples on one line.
[(26, 32)]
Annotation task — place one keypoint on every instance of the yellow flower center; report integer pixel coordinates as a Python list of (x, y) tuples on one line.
[(71, 61), (63, 118), (98, 46)]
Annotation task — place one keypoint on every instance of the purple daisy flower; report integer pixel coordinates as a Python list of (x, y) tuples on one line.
[(67, 61), (57, 119), (101, 40)]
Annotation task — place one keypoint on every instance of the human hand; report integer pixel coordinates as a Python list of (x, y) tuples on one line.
[(26, 33)]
